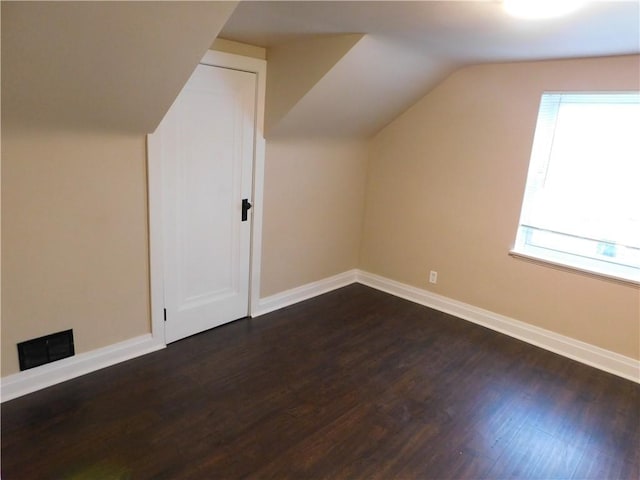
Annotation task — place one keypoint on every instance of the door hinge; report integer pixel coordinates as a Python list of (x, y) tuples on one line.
[(165, 314)]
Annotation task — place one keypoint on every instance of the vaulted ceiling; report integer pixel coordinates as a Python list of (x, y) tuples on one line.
[(407, 48), (101, 65), (335, 68)]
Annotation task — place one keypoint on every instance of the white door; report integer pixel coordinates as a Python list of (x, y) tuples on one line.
[(206, 145)]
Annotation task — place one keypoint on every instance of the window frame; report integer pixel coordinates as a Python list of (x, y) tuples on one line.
[(542, 146)]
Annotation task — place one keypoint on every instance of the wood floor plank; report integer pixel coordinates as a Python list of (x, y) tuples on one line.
[(352, 384)]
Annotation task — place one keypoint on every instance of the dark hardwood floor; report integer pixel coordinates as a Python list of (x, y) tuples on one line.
[(353, 384)]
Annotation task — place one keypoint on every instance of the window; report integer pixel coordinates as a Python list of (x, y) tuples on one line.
[(581, 205)]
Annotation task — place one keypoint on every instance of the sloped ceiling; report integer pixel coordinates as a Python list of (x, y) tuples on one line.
[(295, 68), (101, 65), (370, 85), (407, 48), (336, 68)]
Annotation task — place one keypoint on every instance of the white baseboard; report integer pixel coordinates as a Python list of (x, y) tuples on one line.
[(18, 384), (566, 346), (27, 381), (310, 290)]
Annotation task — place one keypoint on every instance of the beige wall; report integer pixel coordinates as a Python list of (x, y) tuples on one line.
[(74, 245), (444, 193), (443, 185), (77, 102), (237, 48), (313, 209)]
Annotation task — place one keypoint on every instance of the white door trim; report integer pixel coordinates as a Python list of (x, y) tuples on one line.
[(154, 179)]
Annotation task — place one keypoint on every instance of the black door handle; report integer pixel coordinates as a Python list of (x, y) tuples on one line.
[(245, 209)]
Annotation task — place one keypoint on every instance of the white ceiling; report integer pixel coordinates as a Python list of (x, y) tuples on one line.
[(119, 65), (435, 38), (463, 31)]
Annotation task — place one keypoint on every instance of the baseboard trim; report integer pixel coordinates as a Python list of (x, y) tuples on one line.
[(586, 353), (27, 381), (304, 292), (22, 383)]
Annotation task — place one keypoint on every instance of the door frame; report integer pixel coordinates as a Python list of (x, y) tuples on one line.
[(154, 191)]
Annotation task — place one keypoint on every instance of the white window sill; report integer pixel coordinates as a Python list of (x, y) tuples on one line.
[(627, 275)]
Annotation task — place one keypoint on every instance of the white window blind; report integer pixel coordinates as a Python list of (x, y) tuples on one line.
[(581, 206)]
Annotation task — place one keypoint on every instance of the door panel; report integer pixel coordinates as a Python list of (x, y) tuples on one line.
[(207, 140)]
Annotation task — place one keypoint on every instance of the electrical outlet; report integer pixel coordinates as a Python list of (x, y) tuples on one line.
[(433, 276)]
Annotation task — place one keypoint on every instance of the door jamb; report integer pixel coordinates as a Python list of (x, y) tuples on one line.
[(154, 189)]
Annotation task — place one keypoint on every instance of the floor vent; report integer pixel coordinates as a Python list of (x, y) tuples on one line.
[(47, 349)]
